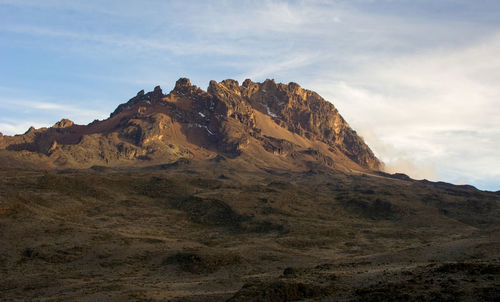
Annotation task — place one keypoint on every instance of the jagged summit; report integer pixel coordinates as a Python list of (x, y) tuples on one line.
[(264, 124), (64, 123), (182, 84)]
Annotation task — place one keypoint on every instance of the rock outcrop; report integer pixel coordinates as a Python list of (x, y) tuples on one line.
[(268, 124), (298, 110), (64, 123)]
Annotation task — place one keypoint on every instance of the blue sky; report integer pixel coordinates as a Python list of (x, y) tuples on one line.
[(417, 79)]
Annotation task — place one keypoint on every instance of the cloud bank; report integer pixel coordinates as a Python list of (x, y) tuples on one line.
[(436, 110)]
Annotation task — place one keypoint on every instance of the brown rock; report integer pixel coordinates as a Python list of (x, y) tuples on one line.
[(300, 111), (157, 94), (182, 84), (64, 123), (259, 121), (52, 148), (31, 130)]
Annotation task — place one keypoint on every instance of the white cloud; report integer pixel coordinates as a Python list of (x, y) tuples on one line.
[(41, 114), (18, 127), (48, 106), (437, 110)]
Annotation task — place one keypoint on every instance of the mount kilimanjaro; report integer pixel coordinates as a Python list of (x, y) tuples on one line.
[(251, 192), (265, 124)]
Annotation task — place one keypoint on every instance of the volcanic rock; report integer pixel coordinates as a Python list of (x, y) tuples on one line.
[(64, 123), (267, 125)]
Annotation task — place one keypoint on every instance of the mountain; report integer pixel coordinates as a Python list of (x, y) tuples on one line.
[(251, 192), (264, 124)]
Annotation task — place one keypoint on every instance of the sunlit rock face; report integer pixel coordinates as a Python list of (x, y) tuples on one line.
[(269, 123)]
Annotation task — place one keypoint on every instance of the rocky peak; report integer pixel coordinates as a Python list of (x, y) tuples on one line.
[(296, 109), (213, 86), (230, 119), (64, 123), (230, 102), (293, 108), (31, 130), (294, 87), (157, 94), (231, 84), (269, 85), (246, 83), (182, 85), (154, 96)]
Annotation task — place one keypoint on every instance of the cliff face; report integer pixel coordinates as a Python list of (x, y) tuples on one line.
[(299, 111), (268, 124)]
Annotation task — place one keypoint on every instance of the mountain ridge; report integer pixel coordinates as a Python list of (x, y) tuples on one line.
[(281, 123)]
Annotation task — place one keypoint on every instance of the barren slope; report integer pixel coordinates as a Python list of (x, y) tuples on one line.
[(212, 231), (272, 125)]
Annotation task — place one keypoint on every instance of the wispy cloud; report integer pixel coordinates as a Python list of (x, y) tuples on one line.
[(18, 127), (281, 65), (36, 111), (47, 106)]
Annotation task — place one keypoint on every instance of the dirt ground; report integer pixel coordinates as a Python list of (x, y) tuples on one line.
[(212, 232)]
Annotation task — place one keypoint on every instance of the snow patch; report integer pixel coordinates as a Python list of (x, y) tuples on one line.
[(269, 112), (202, 126), (208, 130)]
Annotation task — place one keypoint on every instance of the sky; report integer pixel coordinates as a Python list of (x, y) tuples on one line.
[(417, 79)]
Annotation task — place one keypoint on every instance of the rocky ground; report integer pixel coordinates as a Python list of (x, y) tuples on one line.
[(208, 231)]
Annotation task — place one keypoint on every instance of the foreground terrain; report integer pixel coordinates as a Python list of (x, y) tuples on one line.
[(208, 231)]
